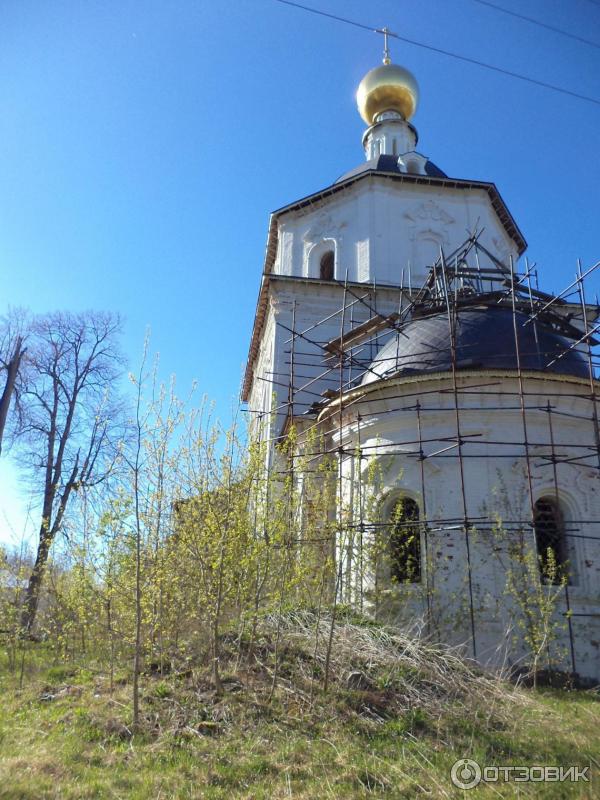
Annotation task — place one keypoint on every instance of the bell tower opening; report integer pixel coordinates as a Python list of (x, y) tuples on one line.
[(326, 266)]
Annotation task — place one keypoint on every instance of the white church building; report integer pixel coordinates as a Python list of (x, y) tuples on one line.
[(395, 318)]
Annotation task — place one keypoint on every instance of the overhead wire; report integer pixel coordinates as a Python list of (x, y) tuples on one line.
[(538, 22), (443, 52)]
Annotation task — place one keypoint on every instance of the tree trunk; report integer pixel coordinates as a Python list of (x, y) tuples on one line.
[(137, 655), (47, 534), (215, 653), (12, 372), (32, 594)]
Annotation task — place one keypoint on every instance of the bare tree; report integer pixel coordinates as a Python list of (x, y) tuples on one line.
[(69, 418)]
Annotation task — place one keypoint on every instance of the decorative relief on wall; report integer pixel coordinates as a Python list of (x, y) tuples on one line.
[(428, 232), (429, 210), (324, 227), (283, 262), (362, 259)]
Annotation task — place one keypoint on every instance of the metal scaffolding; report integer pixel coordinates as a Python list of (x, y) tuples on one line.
[(322, 389)]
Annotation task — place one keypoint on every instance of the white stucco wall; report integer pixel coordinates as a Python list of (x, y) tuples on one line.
[(379, 228), (383, 233)]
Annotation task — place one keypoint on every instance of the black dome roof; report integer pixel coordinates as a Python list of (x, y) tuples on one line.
[(485, 339), (389, 164)]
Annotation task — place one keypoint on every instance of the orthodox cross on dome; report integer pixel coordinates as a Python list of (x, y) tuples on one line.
[(386, 49)]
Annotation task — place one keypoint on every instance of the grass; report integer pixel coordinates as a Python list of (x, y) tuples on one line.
[(65, 735)]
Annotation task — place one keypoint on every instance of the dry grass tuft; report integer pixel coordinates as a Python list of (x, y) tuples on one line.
[(393, 671)]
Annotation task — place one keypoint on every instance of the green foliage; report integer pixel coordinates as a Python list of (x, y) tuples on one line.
[(60, 674), (162, 690)]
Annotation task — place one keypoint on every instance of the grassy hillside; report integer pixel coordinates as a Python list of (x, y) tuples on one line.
[(393, 729)]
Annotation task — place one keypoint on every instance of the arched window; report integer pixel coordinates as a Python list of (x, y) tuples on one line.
[(326, 266), (405, 542), (550, 539)]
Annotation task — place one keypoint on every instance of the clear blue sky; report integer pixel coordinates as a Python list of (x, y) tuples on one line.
[(143, 145)]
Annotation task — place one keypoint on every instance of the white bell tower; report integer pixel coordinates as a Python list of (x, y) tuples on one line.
[(373, 234)]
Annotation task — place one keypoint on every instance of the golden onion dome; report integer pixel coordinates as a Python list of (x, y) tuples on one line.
[(387, 88)]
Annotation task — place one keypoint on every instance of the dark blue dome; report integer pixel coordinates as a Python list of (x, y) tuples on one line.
[(485, 339)]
